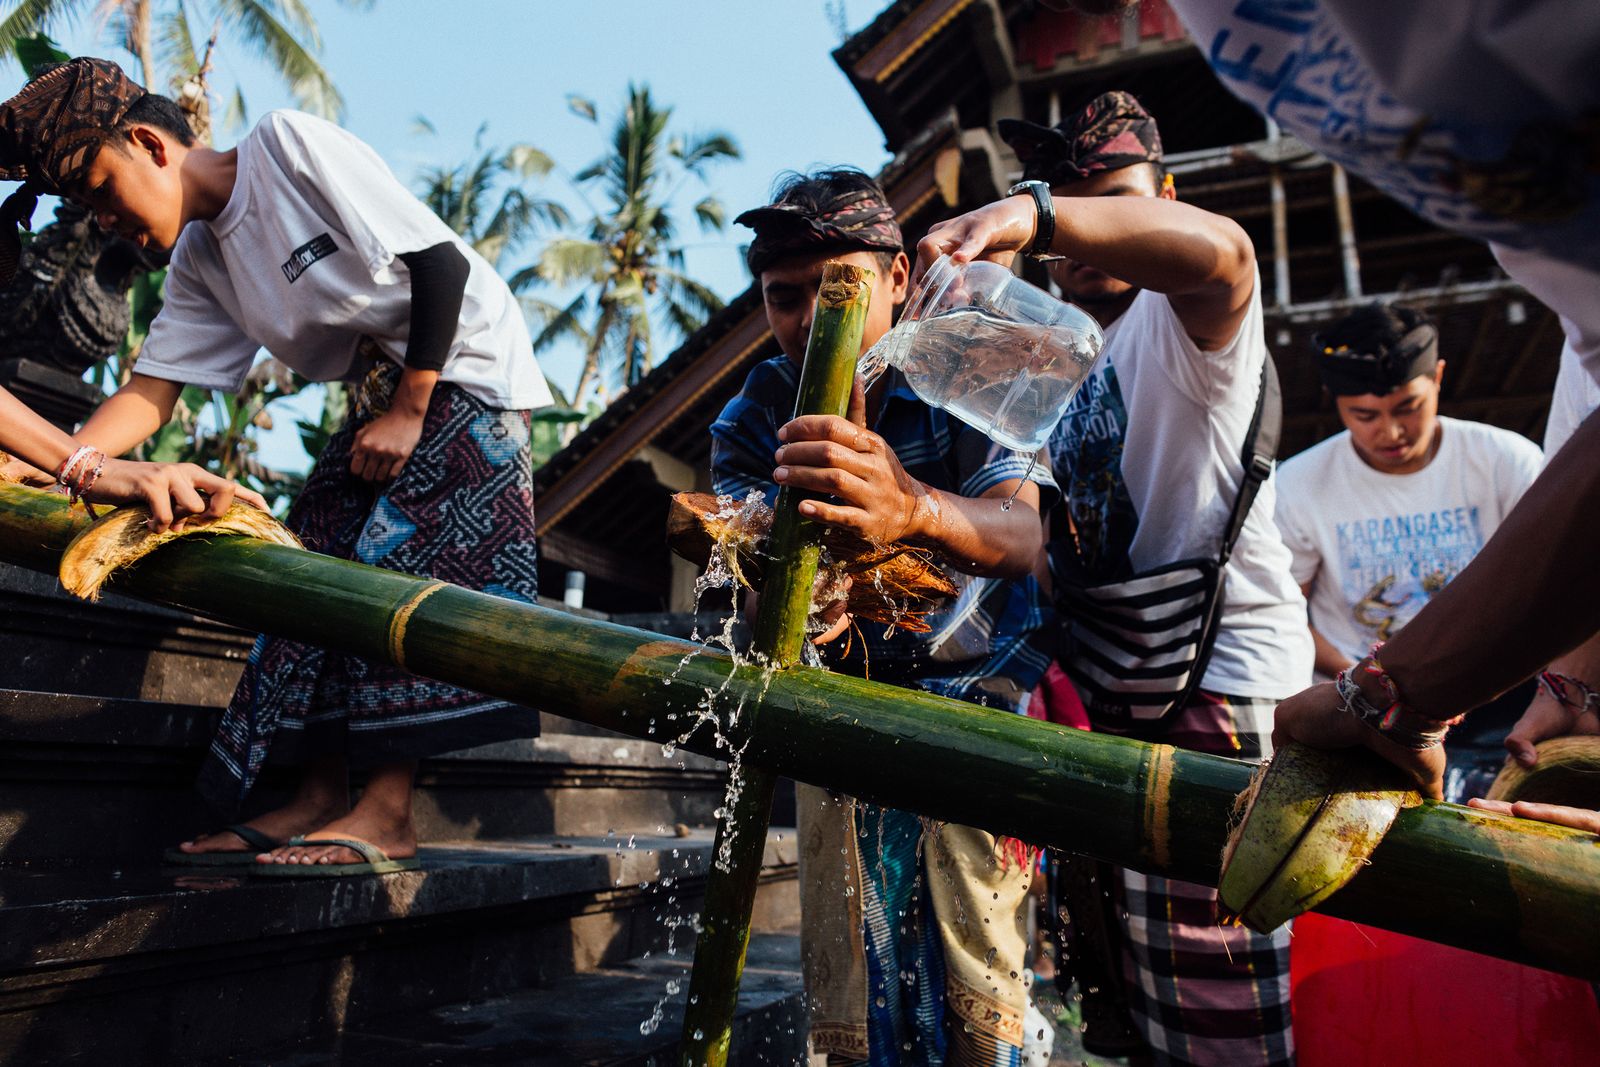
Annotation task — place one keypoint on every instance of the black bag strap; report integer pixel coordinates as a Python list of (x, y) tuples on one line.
[(1260, 449)]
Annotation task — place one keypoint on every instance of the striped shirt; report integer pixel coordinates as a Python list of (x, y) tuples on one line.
[(991, 645)]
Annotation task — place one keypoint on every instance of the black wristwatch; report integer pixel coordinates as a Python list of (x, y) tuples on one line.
[(1045, 228)]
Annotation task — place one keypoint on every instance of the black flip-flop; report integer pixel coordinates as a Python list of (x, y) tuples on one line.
[(258, 842), (373, 861)]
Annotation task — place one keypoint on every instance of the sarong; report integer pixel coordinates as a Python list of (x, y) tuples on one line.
[(461, 510), (1201, 993)]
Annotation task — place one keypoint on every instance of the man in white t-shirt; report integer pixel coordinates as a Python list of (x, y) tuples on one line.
[(1478, 115), (1382, 516), (300, 240), (1149, 460)]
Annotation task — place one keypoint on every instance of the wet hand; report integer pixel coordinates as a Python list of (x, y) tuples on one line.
[(1559, 814), (383, 446), (876, 498), (995, 231), (1316, 717)]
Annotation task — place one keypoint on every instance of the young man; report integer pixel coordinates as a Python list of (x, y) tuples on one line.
[(1382, 516), (901, 966), (301, 241), (1149, 460)]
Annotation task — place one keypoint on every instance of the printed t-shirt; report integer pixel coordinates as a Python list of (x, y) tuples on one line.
[(1376, 546), (1405, 94), (302, 261), (993, 643), (1149, 460)]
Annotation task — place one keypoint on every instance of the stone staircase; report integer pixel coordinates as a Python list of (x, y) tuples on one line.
[(554, 909)]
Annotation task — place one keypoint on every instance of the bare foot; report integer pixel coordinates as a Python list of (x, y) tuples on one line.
[(299, 816), (391, 832)]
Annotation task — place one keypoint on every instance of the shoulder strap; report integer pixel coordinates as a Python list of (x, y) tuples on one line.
[(1260, 449)]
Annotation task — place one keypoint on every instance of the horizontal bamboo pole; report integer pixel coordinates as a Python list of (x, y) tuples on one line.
[(1519, 890)]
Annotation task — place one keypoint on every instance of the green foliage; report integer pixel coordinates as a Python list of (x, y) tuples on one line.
[(37, 52), (159, 34), (621, 272)]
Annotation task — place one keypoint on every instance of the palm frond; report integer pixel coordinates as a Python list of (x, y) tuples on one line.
[(711, 214), (33, 17), (582, 107), (526, 161), (309, 82), (566, 260), (695, 152), (421, 124), (175, 42), (564, 323)]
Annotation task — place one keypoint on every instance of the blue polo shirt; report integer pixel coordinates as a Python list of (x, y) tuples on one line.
[(991, 645)]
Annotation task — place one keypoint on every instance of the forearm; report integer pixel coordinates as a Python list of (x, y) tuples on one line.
[(1329, 660), (1582, 663), (131, 415), (980, 535), (414, 391), (1531, 596), (1161, 245), (30, 438)]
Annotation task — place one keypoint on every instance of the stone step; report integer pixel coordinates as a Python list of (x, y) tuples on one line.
[(625, 1015), (103, 778), (142, 965)]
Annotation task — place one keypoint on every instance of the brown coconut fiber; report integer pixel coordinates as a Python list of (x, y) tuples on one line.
[(893, 584), (123, 538)]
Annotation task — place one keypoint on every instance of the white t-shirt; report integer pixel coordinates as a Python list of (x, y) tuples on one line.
[(302, 261), (1375, 546), (1576, 395), (1149, 458), (1402, 93)]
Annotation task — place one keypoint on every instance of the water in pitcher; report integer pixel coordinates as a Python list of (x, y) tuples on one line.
[(1011, 380)]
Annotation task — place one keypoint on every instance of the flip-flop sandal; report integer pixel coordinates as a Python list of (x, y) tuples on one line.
[(373, 861), (258, 842)]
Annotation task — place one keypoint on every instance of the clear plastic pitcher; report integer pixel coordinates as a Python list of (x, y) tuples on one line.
[(999, 354)]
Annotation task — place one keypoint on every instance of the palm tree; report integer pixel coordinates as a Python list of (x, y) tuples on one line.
[(628, 261), (159, 32), (464, 197)]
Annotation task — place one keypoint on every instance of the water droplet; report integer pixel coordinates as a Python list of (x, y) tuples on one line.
[(699, 1035)]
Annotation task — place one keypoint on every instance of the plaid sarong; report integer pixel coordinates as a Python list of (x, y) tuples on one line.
[(461, 511), (1201, 993)]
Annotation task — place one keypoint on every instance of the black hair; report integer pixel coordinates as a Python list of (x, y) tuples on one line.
[(1371, 329), (814, 192), (161, 112)]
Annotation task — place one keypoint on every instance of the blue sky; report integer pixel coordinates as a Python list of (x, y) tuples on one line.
[(758, 70)]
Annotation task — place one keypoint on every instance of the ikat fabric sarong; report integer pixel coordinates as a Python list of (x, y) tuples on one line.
[(461, 511), (1203, 994)]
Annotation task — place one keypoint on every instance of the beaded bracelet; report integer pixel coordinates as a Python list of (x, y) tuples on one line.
[(78, 474)]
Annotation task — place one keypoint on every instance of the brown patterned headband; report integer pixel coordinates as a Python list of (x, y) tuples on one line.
[(50, 133)]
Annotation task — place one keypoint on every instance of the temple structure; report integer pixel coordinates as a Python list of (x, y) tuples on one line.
[(937, 75)]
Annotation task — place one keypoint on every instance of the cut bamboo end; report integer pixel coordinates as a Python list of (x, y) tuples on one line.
[(1313, 819), (1567, 772), (122, 538), (841, 282)]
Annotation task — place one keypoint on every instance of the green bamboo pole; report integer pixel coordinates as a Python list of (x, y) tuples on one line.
[(1511, 888), (780, 633)]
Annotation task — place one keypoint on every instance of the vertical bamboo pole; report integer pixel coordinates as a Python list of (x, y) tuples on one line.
[(780, 634)]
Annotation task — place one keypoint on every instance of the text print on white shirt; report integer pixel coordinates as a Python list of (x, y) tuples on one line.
[(307, 254)]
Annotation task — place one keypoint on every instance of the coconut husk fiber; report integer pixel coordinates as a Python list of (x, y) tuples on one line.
[(1311, 820), (1567, 772), (122, 538), (894, 584)]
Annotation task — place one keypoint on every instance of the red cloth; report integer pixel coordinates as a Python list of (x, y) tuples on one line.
[(1056, 700), (1367, 996)]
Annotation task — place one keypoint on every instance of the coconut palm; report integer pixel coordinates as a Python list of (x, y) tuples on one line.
[(627, 261), (160, 35)]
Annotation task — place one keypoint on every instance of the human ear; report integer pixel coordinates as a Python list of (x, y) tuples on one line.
[(150, 142), (899, 279)]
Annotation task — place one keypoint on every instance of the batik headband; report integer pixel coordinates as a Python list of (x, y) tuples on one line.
[(1347, 372), (860, 221), (50, 133), (1111, 132)]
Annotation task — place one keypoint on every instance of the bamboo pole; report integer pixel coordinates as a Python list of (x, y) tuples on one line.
[(780, 633), (1511, 888)]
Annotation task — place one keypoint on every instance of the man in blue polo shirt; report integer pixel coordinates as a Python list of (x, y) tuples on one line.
[(931, 965)]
